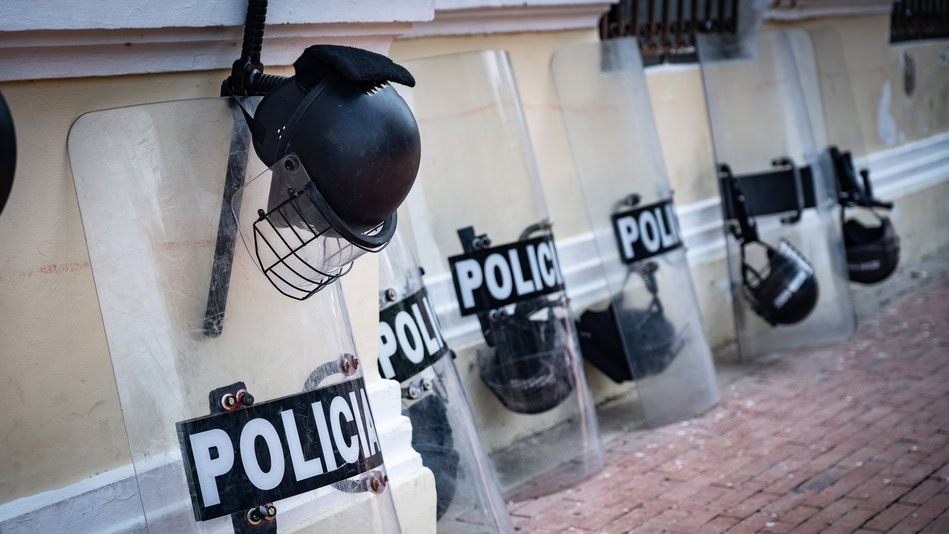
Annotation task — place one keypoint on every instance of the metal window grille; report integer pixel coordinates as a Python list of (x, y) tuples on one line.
[(666, 29), (915, 20)]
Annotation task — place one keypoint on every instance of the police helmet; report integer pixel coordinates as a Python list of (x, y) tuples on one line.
[(7, 152), (355, 137), (785, 291), (652, 342), (432, 438), (530, 369), (873, 251)]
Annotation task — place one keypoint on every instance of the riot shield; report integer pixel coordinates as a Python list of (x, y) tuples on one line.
[(871, 243), (652, 331), (412, 351), (783, 237), (478, 218), (262, 426)]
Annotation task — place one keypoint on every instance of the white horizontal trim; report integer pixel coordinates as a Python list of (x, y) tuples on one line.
[(82, 53), (447, 5), (31, 15), (42, 39), (789, 10), (460, 17)]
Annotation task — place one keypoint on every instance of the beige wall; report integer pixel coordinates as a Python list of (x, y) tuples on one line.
[(62, 423)]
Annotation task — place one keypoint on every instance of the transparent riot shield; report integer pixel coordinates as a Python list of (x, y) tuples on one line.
[(779, 201), (478, 218), (652, 332), (261, 424), (413, 351), (871, 242)]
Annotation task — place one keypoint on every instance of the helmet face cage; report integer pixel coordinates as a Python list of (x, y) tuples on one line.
[(344, 149), (530, 368), (294, 242)]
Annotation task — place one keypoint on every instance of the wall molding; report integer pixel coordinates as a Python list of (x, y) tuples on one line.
[(460, 17), (43, 39), (47, 54), (792, 10)]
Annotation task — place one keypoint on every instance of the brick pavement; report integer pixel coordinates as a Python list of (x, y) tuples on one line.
[(847, 438)]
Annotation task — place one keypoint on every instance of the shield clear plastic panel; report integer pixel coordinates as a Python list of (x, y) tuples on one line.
[(413, 351), (269, 410), (476, 208), (762, 125), (607, 113), (866, 214)]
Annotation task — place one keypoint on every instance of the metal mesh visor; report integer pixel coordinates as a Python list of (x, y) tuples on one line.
[(287, 227), (150, 181), (529, 369)]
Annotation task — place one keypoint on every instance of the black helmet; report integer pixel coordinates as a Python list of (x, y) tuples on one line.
[(432, 438), (355, 137), (786, 291), (7, 152), (873, 252), (530, 370), (652, 339)]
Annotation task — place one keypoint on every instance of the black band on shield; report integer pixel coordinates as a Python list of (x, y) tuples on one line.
[(772, 192), (489, 278), (276, 449), (409, 338), (642, 232)]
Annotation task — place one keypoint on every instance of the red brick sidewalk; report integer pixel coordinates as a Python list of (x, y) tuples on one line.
[(847, 438)]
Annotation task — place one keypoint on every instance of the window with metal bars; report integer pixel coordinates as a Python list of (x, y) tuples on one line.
[(915, 20), (666, 29)]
